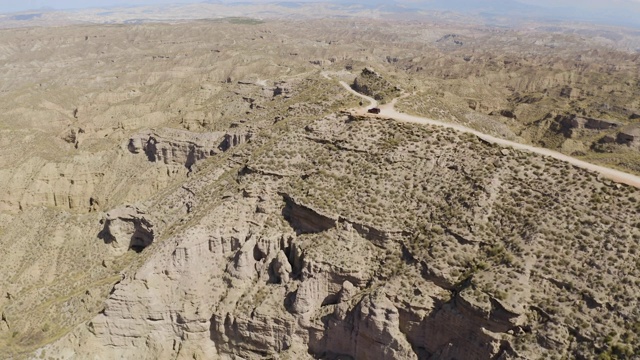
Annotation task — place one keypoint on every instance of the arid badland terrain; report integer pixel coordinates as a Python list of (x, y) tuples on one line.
[(206, 190)]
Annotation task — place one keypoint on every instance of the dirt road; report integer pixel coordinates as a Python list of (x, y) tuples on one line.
[(389, 111)]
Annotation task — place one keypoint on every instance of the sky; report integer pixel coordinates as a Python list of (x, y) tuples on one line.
[(622, 12), (22, 5)]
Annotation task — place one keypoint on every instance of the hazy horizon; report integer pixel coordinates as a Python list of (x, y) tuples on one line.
[(615, 12)]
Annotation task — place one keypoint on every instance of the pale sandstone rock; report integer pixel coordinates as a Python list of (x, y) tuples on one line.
[(127, 228), (69, 186), (243, 265), (182, 147), (281, 268)]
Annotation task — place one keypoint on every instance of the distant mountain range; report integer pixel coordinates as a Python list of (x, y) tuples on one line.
[(499, 12), (621, 13)]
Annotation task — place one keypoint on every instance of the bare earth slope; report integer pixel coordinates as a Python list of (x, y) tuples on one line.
[(197, 190)]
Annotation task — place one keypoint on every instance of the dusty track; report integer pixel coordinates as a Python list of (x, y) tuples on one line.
[(389, 111)]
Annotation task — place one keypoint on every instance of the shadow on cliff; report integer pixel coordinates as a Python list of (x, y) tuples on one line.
[(305, 220)]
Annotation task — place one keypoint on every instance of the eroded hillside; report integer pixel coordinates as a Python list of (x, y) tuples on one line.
[(562, 91), (197, 190), (366, 237)]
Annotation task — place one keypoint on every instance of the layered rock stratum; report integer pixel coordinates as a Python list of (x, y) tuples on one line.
[(198, 191)]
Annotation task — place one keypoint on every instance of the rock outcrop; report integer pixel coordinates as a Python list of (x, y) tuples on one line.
[(71, 186), (233, 140), (283, 89), (629, 135), (370, 83), (127, 228), (577, 122), (172, 146), (305, 220), (181, 147)]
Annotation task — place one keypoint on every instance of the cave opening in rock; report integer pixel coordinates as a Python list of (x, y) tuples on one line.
[(137, 245), (191, 158), (258, 255), (151, 149), (140, 240)]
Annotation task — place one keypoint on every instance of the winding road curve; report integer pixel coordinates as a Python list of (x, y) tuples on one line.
[(389, 111)]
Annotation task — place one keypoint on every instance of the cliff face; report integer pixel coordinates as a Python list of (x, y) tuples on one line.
[(181, 147), (294, 264)]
